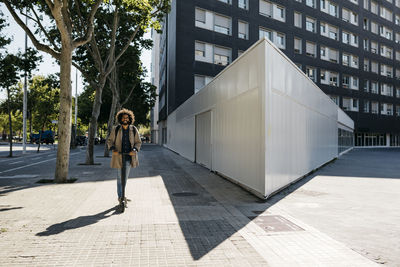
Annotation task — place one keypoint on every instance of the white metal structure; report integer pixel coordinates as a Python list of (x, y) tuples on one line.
[(261, 122)]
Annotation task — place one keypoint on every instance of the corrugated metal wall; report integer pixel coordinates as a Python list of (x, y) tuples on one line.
[(301, 122), (270, 124)]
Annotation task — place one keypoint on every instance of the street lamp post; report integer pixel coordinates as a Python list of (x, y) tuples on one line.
[(25, 100)]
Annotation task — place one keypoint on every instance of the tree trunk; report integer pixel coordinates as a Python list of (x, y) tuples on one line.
[(110, 120), (93, 121), (10, 122), (64, 119)]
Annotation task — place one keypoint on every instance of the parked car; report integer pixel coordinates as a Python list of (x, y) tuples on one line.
[(47, 137)]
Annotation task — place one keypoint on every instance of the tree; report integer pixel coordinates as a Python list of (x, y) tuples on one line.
[(46, 92), (9, 77), (119, 23), (59, 40)]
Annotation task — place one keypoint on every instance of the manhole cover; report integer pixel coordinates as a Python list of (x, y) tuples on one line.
[(184, 194), (275, 223)]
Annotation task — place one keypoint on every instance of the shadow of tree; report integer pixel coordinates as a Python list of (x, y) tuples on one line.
[(78, 222)]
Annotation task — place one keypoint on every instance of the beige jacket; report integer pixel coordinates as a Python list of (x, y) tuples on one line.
[(116, 160)]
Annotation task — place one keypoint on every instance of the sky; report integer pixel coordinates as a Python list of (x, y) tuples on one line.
[(49, 66)]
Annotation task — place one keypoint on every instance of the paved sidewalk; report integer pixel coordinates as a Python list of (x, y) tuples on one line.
[(213, 223)]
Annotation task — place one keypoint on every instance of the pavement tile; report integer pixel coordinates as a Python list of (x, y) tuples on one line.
[(77, 224)]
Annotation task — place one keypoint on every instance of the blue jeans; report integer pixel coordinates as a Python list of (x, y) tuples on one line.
[(126, 167)]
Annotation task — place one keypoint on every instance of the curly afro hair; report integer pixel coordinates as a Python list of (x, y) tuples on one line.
[(124, 111)]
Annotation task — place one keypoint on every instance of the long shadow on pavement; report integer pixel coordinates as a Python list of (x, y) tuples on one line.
[(78, 222)]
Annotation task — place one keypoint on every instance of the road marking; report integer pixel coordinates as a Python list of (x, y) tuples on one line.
[(34, 163), (19, 176), (12, 163), (28, 156)]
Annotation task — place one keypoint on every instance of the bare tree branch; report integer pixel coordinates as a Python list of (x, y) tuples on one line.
[(92, 83), (128, 43), (36, 43), (90, 26), (51, 40), (113, 35), (50, 4), (130, 92)]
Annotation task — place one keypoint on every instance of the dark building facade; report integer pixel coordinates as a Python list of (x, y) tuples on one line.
[(349, 48)]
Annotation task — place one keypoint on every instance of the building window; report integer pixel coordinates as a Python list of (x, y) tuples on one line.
[(200, 81), (200, 50), (311, 73), (397, 110), (222, 24), (397, 38), (374, 67), (366, 106), (200, 15), (310, 3), (366, 4), (310, 24), (279, 13), (328, 30), (374, 107), (346, 59), (386, 89), (244, 4), (240, 52), (386, 14), (374, 27), (386, 70), (374, 7), (280, 40), (333, 55), (366, 24), (366, 86), (386, 109), (311, 49), (374, 87), (265, 8), (335, 99), (226, 1), (345, 81), (350, 38), (222, 55), (374, 47), (297, 19), (243, 30), (329, 54), (263, 32), (398, 92), (386, 51), (366, 44), (333, 9), (350, 104), (297, 45), (349, 16), (366, 64)]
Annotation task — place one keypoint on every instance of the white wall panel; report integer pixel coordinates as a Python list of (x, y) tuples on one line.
[(181, 136), (301, 123), (203, 139), (345, 120)]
